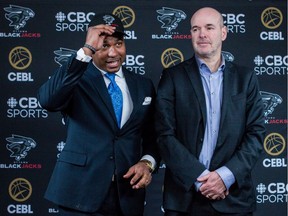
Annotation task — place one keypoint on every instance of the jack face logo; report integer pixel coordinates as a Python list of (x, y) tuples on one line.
[(62, 55), (170, 18), (228, 56), (19, 146), (18, 16), (270, 101), (108, 19)]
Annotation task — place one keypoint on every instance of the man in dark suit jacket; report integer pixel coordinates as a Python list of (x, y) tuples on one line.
[(105, 165), (210, 127)]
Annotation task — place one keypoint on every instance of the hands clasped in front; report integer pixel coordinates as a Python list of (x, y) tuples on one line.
[(140, 175), (212, 186)]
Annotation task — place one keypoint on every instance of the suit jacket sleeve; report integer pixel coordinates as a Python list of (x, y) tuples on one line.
[(251, 139), (54, 95), (171, 129)]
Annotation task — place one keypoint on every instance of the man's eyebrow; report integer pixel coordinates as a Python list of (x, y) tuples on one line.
[(209, 24)]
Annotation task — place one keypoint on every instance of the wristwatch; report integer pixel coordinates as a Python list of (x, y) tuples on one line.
[(82, 57)]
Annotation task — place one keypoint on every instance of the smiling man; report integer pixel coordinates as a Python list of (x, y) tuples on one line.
[(210, 127), (110, 150)]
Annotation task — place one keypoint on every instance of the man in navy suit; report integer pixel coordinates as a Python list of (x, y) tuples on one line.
[(210, 127), (108, 159)]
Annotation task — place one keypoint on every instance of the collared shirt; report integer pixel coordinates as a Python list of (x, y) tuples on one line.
[(127, 100), (212, 83)]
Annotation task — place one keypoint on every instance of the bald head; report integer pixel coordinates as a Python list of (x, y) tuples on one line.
[(209, 13), (207, 33)]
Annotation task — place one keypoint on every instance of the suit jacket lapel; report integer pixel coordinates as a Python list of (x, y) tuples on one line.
[(227, 86), (194, 75), (97, 81), (133, 90)]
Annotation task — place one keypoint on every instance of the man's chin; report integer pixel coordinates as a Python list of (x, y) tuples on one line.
[(113, 70)]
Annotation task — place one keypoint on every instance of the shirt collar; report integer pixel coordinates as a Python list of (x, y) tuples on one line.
[(119, 73), (202, 64)]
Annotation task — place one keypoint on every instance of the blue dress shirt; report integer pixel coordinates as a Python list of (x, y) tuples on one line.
[(213, 88)]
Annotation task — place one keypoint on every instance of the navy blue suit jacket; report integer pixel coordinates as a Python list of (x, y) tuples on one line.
[(95, 147), (181, 118)]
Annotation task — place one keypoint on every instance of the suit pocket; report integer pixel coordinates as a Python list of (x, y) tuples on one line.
[(73, 158)]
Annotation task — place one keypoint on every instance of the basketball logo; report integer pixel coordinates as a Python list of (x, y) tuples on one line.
[(20, 189), (271, 18), (126, 14), (274, 144), (170, 57), (20, 58)]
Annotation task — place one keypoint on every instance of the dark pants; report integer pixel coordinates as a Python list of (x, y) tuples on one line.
[(201, 207), (110, 207)]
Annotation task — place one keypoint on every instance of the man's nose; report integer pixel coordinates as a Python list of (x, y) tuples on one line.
[(112, 51)]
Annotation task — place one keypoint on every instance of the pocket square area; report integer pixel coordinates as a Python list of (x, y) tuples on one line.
[(147, 101)]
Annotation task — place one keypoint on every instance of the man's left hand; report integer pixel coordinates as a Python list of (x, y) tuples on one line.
[(140, 175), (212, 186)]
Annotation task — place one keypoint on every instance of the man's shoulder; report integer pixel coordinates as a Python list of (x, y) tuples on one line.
[(188, 64), (238, 68)]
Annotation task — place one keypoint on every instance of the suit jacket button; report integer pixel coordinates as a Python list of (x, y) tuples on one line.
[(111, 157)]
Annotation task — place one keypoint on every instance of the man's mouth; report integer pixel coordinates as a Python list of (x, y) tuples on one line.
[(113, 63)]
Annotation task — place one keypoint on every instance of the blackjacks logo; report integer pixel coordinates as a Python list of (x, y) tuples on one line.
[(63, 55), (19, 146), (170, 18), (270, 101), (18, 16), (108, 19)]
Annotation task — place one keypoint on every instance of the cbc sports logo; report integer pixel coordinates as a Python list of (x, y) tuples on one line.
[(271, 65), (74, 21), (271, 18), (274, 192), (20, 190), (20, 58), (18, 16), (172, 56), (25, 107)]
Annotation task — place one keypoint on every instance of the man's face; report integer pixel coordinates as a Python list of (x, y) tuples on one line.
[(112, 54), (207, 33)]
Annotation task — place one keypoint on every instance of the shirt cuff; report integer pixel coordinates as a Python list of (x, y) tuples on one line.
[(82, 57), (198, 184), (151, 159), (226, 176)]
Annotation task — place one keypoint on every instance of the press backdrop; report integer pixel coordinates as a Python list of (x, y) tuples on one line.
[(36, 37)]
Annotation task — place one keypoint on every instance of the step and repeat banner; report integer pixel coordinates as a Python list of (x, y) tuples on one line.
[(37, 37)]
